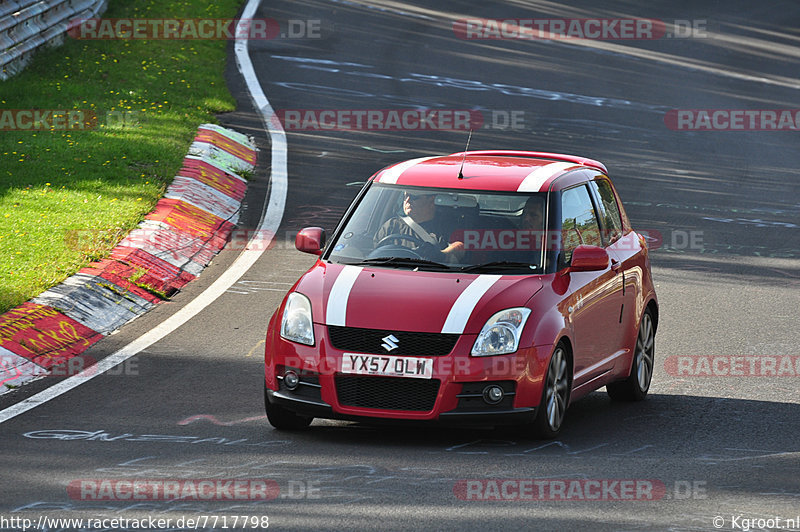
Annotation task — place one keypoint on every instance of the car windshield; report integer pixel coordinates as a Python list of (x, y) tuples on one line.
[(443, 230)]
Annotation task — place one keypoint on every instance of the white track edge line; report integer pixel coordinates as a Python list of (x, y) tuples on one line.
[(268, 226)]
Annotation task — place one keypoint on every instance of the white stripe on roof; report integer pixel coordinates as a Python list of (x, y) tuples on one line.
[(534, 181), (391, 175)]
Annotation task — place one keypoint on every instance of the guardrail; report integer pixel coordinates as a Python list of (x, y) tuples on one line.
[(26, 25)]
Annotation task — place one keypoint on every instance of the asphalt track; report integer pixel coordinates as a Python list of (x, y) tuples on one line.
[(721, 446)]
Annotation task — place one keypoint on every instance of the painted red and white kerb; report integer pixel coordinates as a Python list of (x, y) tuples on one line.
[(733, 119), (15, 369), (188, 226), (603, 29), (560, 489), (192, 222), (43, 335), (380, 119), (733, 365), (47, 119), (138, 489), (238, 240)]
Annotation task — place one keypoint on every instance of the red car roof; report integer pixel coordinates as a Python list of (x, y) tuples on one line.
[(507, 171)]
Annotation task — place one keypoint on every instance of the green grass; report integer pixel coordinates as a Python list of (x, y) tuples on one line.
[(149, 97)]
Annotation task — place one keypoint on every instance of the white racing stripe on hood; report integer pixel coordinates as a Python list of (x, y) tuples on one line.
[(466, 302), (391, 175), (534, 181), (336, 311)]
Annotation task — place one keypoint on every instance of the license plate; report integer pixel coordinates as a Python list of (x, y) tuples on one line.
[(388, 366)]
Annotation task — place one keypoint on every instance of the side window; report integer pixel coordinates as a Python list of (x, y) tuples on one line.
[(578, 221), (609, 211)]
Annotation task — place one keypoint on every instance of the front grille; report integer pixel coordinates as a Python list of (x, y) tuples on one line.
[(408, 343), (388, 393)]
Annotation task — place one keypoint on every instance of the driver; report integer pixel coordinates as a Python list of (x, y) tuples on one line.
[(533, 214), (421, 224)]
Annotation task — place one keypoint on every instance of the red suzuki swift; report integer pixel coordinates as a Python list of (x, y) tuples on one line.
[(489, 287)]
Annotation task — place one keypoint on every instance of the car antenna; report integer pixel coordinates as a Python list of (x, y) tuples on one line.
[(460, 173)]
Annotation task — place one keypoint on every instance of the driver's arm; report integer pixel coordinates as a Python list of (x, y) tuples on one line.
[(454, 247), (453, 251)]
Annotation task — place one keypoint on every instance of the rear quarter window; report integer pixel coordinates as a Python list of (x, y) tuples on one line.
[(578, 221), (610, 217)]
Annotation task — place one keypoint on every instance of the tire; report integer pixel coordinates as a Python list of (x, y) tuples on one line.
[(636, 386), (555, 395), (283, 419)]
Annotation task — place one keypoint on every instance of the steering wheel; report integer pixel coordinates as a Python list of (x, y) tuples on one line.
[(398, 236)]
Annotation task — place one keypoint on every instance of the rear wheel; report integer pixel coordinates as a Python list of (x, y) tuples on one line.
[(636, 386), (555, 395), (283, 419)]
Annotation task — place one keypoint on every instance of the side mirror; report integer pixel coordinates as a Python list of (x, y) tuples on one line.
[(310, 240), (588, 259)]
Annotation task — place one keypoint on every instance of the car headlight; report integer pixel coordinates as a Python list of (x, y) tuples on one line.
[(296, 324), (501, 333)]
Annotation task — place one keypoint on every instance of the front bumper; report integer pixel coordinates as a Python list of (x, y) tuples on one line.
[(305, 407), (452, 396)]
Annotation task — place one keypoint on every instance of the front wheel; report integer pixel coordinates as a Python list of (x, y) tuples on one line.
[(636, 386), (283, 419), (555, 395)]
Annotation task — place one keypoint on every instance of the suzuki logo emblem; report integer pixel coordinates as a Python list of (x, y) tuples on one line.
[(389, 342)]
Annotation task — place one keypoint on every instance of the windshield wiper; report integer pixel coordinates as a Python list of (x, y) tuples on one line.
[(404, 261), (499, 265)]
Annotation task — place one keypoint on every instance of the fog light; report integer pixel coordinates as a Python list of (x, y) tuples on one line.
[(493, 394), (291, 380)]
